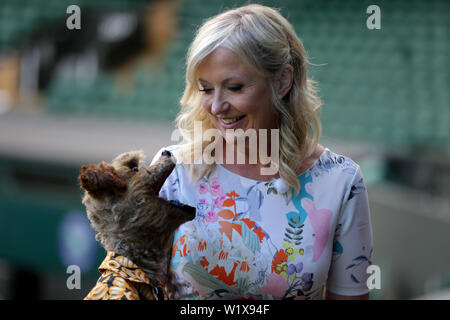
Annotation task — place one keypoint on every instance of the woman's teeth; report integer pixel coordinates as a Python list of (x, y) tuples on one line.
[(230, 121)]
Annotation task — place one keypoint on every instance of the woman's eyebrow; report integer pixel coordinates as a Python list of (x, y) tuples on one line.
[(224, 80)]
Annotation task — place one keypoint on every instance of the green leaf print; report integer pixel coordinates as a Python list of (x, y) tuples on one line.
[(249, 238), (293, 234), (202, 277), (242, 285)]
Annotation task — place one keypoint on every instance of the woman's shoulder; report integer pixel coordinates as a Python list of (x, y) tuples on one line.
[(331, 163)]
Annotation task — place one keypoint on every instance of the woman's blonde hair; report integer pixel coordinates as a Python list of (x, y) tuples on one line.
[(265, 41)]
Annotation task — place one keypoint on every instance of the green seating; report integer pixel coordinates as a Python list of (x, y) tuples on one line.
[(389, 84)]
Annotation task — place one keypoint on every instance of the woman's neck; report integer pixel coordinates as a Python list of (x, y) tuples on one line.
[(252, 161), (253, 171)]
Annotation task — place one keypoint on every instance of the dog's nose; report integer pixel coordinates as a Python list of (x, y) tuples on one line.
[(166, 153)]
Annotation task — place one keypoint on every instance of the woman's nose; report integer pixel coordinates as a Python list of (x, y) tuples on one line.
[(219, 103)]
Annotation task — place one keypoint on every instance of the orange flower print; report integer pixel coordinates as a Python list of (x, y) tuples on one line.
[(280, 258), (244, 267), (258, 230), (180, 246), (204, 262), (227, 228), (223, 255), (202, 245), (233, 194), (231, 202), (221, 274)]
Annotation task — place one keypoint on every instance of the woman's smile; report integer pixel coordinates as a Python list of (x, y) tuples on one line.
[(232, 123)]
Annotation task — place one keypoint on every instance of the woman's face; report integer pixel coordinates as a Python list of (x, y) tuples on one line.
[(234, 95)]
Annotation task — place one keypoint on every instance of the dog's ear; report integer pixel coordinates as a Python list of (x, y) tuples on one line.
[(129, 159), (102, 179)]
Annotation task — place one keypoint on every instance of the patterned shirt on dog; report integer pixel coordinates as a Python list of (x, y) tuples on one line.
[(121, 279), (258, 240)]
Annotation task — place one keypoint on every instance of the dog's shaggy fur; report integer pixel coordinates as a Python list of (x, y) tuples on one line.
[(123, 206)]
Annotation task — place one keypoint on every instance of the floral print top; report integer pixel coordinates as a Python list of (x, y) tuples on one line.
[(253, 240)]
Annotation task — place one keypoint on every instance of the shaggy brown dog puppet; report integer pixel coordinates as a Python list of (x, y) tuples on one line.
[(133, 224)]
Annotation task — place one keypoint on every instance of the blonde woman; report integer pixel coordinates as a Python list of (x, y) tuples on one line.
[(301, 231)]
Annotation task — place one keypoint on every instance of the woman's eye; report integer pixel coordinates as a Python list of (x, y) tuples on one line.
[(135, 169), (206, 90), (235, 88), (231, 88)]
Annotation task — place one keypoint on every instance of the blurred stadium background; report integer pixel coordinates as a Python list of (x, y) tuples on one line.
[(69, 97)]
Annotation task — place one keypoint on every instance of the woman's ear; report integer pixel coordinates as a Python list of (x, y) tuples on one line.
[(284, 80)]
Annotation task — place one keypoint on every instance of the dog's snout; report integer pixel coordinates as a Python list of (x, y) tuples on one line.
[(166, 153), (176, 203)]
